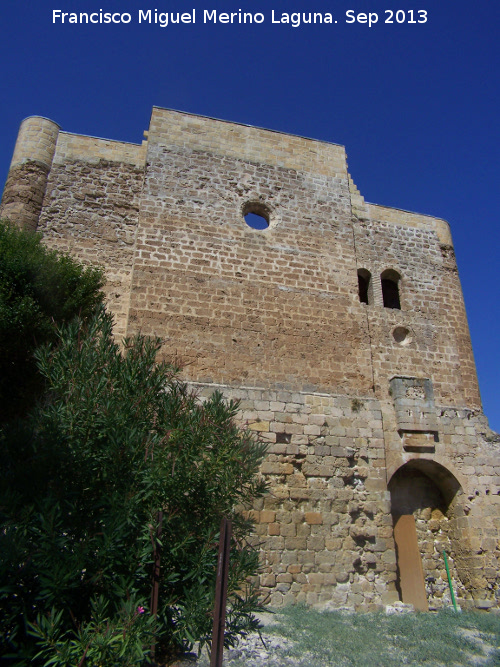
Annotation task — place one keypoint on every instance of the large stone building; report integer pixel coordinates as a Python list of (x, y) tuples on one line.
[(340, 325)]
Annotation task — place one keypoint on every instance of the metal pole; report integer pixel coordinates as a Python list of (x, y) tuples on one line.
[(155, 589), (449, 581), (221, 594)]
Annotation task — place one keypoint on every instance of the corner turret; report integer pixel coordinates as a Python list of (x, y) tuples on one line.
[(27, 179)]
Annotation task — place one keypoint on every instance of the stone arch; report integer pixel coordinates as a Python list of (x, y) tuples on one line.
[(427, 510)]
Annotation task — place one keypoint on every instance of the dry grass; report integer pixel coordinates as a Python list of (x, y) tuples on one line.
[(304, 637)]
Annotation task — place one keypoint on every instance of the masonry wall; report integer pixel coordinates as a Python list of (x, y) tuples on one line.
[(326, 528), (357, 401), (96, 220), (264, 308), (432, 308)]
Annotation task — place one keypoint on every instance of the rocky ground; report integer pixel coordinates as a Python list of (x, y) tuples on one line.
[(271, 650)]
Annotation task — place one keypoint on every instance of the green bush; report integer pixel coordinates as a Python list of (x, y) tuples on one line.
[(38, 288), (117, 438)]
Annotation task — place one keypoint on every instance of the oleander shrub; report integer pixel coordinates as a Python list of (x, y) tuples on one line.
[(118, 438), (39, 288)]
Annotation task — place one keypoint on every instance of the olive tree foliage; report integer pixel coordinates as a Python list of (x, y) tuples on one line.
[(38, 288), (117, 438)]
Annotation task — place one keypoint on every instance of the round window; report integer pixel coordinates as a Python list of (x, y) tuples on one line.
[(256, 215), (401, 335)]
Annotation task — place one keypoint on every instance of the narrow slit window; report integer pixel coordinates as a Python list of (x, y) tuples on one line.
[(364, 278), (390, 289)]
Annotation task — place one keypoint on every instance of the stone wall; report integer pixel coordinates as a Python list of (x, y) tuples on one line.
[(97, 220), (369, 411), (432, 309), (326, 528)]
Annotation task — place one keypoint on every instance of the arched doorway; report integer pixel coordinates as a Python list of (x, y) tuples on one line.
[(425, 503)]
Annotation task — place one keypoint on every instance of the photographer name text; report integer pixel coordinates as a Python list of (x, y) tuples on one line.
[(212, 17)]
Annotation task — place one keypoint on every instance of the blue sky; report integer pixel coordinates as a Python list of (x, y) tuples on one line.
[(415, 104)]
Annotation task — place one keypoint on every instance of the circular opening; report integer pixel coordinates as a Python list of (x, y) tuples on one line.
[(401, 335), (256, 221), (256, 215)]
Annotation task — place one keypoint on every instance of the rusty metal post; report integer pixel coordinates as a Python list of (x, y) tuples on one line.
[(156, 572), (221, 594)]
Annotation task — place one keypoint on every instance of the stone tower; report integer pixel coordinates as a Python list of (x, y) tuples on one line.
[(340, 326), (25, 188)]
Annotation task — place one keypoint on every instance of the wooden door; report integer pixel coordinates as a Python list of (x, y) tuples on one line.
[(411, 574)]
